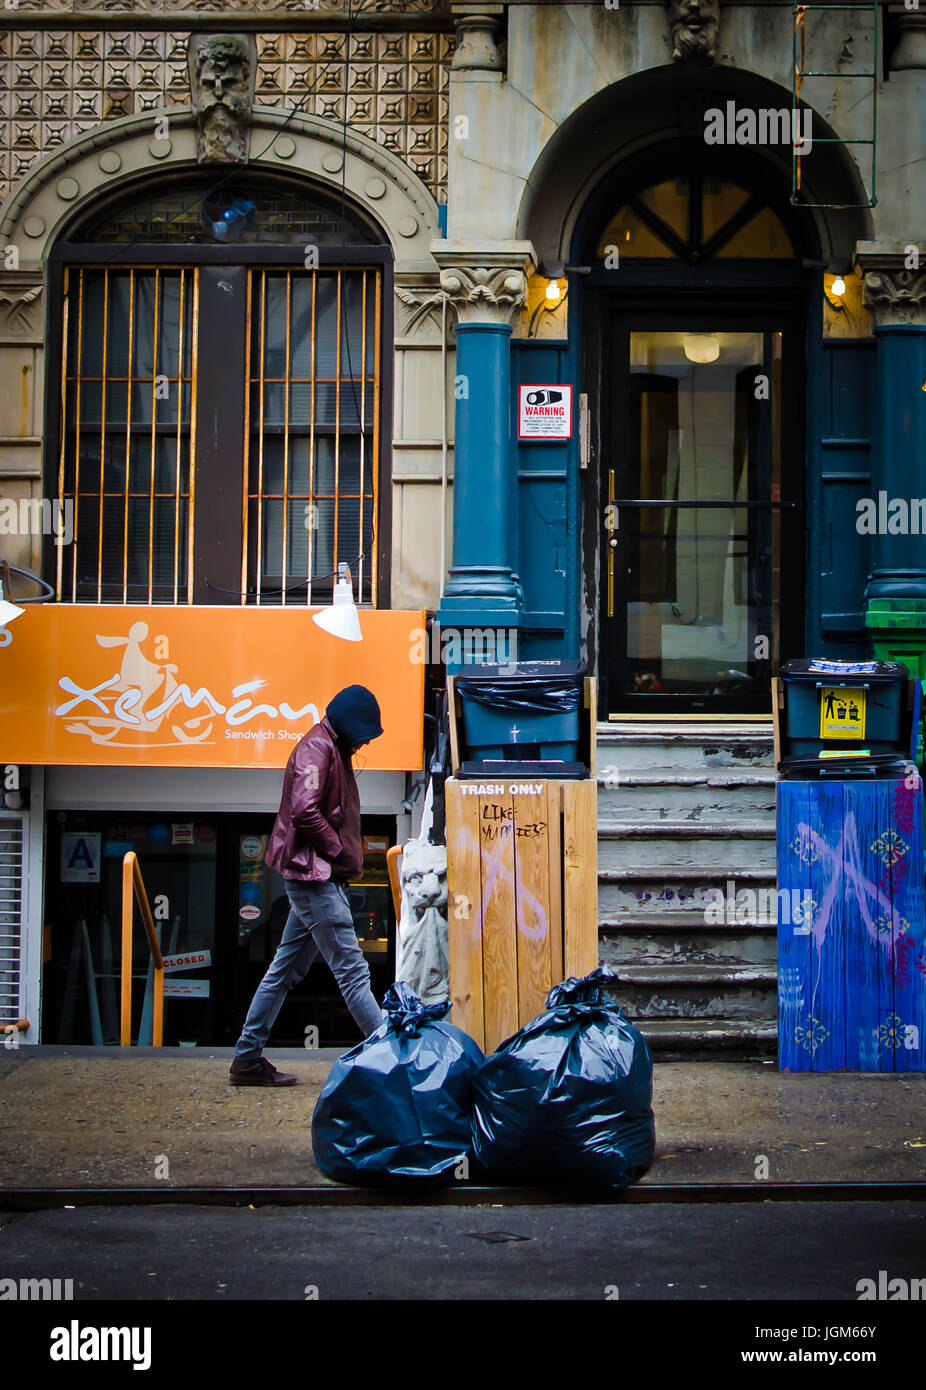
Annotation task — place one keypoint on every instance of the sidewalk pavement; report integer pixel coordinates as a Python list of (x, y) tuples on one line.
[(88, 1117)]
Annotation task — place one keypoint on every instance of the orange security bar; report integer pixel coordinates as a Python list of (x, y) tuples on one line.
[(133, 890)]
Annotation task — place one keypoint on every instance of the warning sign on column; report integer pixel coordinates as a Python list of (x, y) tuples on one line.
[(842, 713), (545, 412)]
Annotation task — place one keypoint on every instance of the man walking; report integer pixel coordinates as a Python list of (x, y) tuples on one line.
[(315, 845)]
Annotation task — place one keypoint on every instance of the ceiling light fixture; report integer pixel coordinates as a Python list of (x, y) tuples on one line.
[(701, 348)]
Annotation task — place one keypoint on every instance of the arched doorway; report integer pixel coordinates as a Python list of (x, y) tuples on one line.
[(694, 316)]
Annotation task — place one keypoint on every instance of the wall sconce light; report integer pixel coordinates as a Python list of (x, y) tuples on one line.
[(553, 292), (838, 287), (341, 618), (8, 611)]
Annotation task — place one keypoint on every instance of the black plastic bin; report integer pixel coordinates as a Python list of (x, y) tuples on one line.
[(522, 719), (847, 719)]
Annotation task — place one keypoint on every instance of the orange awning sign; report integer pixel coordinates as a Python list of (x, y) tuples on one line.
[(198, 687)]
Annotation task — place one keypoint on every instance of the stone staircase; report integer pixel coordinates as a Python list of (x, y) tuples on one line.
[(685, 808)]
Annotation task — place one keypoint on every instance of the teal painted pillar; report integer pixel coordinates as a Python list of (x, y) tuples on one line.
[(895, 599), (899, 568), (483, 589), (482, 577)]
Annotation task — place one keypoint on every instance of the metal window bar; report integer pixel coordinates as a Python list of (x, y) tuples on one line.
[(800, 74), (117, 436), (12, 924), (280, 348)]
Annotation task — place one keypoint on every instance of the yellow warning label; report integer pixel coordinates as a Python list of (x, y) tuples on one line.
[(842, 713)]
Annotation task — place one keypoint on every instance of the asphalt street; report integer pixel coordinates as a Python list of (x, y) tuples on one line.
[(671, 1252)]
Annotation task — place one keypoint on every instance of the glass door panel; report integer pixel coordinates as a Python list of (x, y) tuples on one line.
[(694, 526)]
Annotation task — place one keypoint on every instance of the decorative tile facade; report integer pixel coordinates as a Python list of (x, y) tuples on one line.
[(57, 84)]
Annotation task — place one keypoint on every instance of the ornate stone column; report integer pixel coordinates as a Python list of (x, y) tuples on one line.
[(486, 291), (895, 295)]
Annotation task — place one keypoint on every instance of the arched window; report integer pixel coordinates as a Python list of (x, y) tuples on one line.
[(221, 424), (694, 219)]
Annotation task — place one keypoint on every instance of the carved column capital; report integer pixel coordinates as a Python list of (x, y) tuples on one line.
[(477, 26), (910, 50), (21, 308), (486, 284), (895, 285), (420, 308)]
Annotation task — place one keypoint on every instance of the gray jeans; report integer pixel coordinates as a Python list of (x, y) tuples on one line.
[(319, 924)]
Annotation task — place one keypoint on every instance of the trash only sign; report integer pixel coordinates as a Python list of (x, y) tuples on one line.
[(842, 712), (545, 412)]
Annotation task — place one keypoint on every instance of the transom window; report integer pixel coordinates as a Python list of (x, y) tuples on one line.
[(695, 219)]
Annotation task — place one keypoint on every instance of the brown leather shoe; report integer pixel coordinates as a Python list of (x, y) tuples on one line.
[(261, 1073)]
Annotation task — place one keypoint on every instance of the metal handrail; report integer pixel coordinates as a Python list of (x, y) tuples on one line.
[(133, 890)]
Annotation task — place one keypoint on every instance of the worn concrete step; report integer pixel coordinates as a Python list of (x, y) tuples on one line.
[(706, 1037), (668, 992), (682, 973), (633, 944), (666, 793), (686, 845), (631, 746), (628, 891)]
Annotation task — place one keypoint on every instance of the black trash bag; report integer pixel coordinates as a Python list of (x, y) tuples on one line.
[(397, 1107), (568, 1097)]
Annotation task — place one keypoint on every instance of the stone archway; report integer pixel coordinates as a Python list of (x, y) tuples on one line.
[(662, 105), (113, 157)]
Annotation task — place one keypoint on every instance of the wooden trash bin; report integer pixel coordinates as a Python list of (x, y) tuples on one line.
[(522, 877)]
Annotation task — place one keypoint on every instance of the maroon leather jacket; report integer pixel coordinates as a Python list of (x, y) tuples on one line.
[(316, 835)]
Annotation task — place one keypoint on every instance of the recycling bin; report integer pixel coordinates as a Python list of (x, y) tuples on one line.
[(837, 719), (850, 901), (528, 713)]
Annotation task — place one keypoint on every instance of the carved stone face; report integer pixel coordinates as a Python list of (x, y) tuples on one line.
[(424, 878), (220, 76), (223, 71), (694, 25)]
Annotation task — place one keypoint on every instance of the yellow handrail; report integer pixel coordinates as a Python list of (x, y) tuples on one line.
[(133, 889)]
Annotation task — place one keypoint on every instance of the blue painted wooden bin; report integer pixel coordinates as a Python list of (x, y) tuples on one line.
[(851, 940)]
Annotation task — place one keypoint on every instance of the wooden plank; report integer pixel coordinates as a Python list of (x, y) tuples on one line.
[(464, 912), (452, 719), (555, 878), (534, 920), (499, 936), (828, 958), (777, 708), (794, 939), (591, 715), (580, 878), (909, 1030), (875, 850), (864, 921)]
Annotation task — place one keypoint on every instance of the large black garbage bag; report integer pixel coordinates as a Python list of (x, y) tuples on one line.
[(397, 1106), (568, 1097)]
